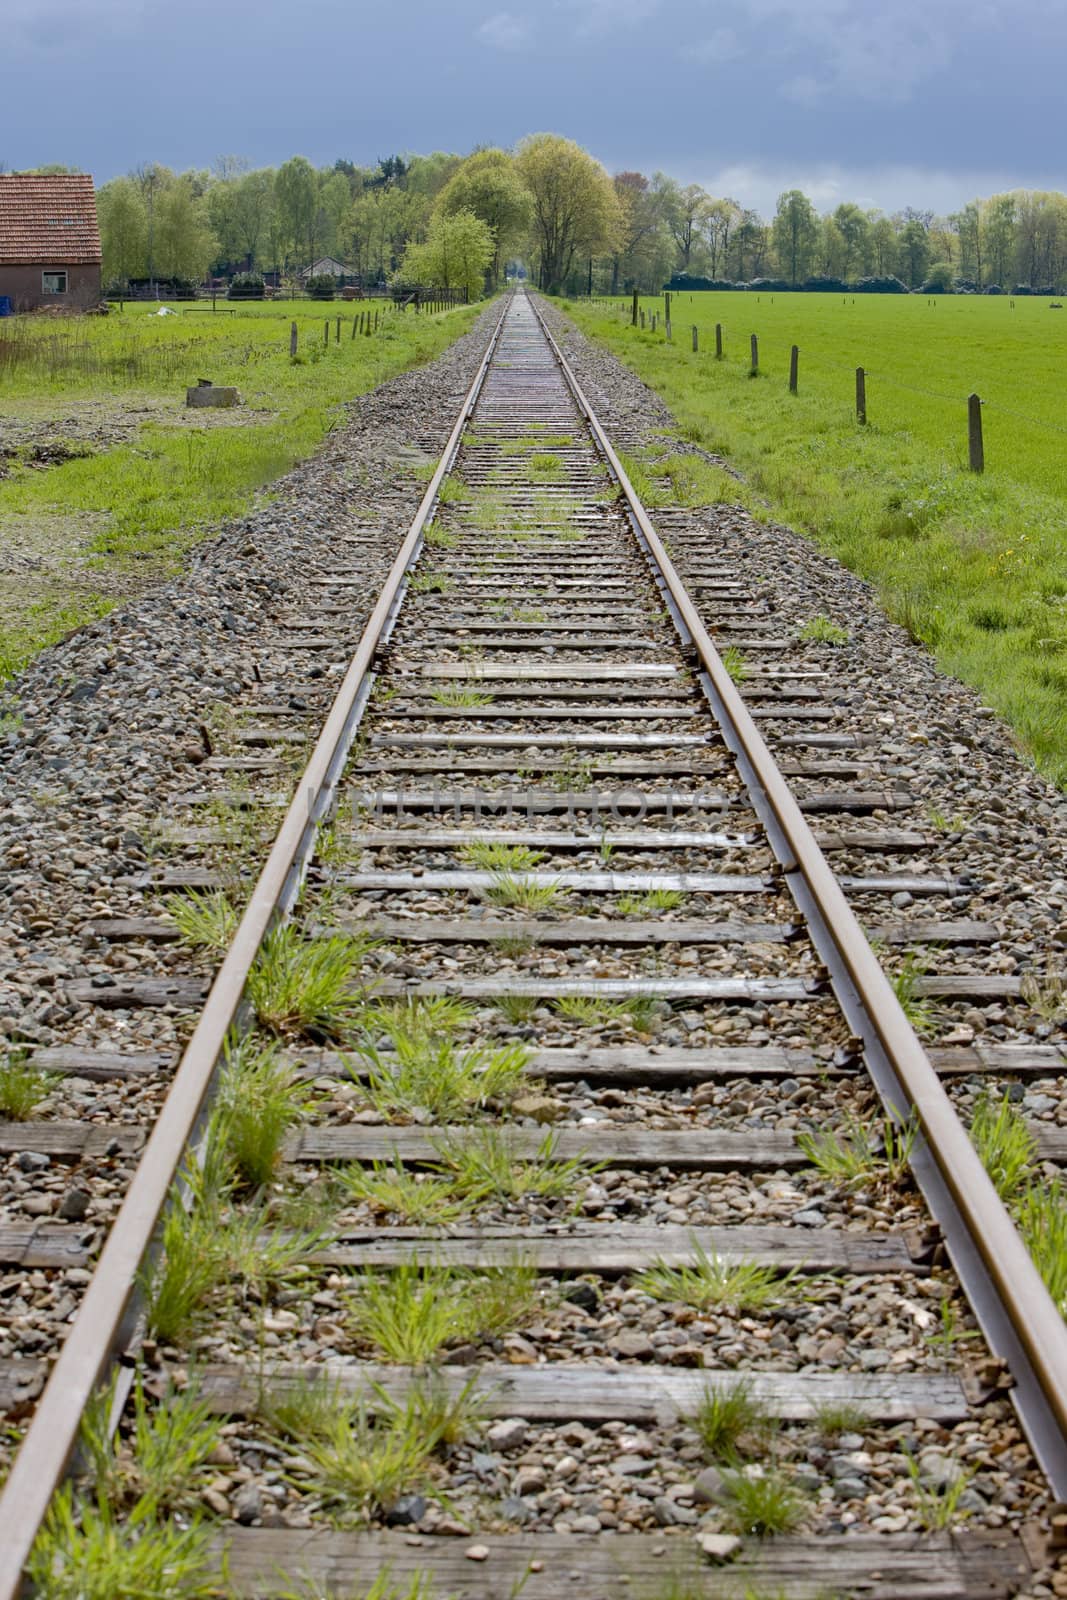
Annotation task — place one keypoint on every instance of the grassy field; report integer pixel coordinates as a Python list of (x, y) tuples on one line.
[(145, 476), (974, 566)]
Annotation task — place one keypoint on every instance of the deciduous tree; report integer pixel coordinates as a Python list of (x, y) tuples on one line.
[(575, 209)]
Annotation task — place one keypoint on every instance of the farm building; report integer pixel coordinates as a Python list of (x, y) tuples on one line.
[(325, 267), (49, 242)]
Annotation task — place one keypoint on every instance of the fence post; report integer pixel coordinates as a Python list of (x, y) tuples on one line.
[(794, 358), (292, 341), (668, 329), (326, 331), (754, 344), (367, 328), (695, 339), (718, 341), (974, 433), (642, 319), (633, 316), (667, 308), (861, 396), (355, 323), (337, 332)]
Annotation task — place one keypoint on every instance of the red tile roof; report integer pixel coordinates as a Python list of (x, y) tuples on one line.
[(47, 220)]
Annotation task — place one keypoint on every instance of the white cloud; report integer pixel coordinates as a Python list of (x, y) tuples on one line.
[(66, 22), (885, 188), (721, 45), (503, 31), (602, 16)]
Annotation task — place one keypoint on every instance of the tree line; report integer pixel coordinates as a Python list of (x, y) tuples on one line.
[(457, 221)]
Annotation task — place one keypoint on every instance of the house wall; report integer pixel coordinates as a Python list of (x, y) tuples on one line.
[(23, 284)]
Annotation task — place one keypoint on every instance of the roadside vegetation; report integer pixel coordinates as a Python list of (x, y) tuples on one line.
[(100, 520), (970, 564)]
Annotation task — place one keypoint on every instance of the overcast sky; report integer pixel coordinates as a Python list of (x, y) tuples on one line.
[(927, 102)]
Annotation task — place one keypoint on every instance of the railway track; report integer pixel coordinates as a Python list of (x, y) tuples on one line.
[(611, 994)]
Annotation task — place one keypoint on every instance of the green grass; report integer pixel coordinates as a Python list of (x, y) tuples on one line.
[(730, 1422), (971, 565), (711, 1281), (150, 498), (22, 1086), (86, 1551), (863, 1154), (409, 1313), (435, 1076), (311, 987), (205, 919), (485, 1165), (762, 1503)]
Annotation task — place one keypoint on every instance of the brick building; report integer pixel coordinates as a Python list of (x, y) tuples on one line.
[(49, 241)]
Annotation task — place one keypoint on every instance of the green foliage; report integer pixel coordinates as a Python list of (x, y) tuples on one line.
[(864, 1154), (762, 1502), (434, 1076), (493, 856), (736, 665), (1005, 1144), (730, 1422), (517, 1008), (85, 1551), (137, 507), (260, 1098), (308, 986), (22, 1086), (948, 551), (820, 630), (837, 1417), (166, 1452), (397, 1192), (407, 1314), (641, 905), (523, 892), (595, 1011), (459, 248), (905, 983), (363, 1451), (713, 1281), (455, 694), (1040, 1211), (205, 919), (937, 1505), (484, 1164)]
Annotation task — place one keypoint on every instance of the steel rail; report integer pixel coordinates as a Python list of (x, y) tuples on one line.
[(96, 1333), (1022, 1323)]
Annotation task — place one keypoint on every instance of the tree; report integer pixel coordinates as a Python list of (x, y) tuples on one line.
[(457, 251), (853, 226), (185, 244), (575, 209), (795, 230), (296, 202), (914, 247), (968, 225), (685, 211), (719, 219), (123, 230), (637, 257), (998, 215), (489, 185)]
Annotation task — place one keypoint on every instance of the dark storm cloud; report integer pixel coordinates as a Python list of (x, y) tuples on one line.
[(947, 99)]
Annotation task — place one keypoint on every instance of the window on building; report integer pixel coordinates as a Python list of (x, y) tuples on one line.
[(53, 283)]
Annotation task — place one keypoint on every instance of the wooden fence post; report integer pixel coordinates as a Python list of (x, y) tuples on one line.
[(292, 341), (861, 396), (974, 433), (794, 358), (633, 316), (667, 308), (754, 345), (718, 341), (337, 332), (326, 331), (695, 339), (642, 319), (667, 326), (355, 323), (367, 329)]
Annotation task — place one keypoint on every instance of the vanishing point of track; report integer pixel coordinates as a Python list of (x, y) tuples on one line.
[(604, 732)]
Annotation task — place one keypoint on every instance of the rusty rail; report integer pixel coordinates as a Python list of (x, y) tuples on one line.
[(97, 1331), (1007, 1293)]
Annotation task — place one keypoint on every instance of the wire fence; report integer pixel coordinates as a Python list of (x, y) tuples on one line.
[(728, 337)]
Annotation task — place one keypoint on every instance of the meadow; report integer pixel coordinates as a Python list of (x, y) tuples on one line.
[(974, 566), (146, 478)]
